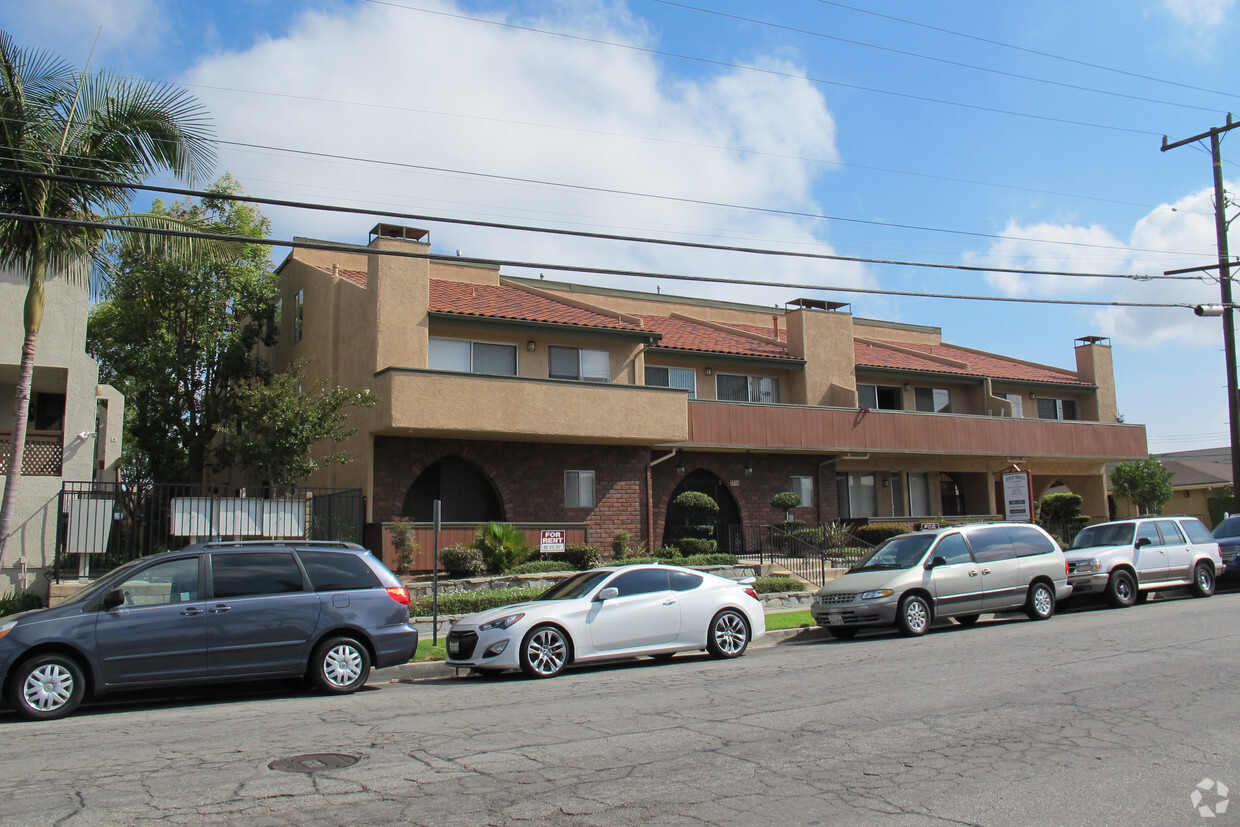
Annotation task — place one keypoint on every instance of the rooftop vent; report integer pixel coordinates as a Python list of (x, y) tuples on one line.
[(397, 231), (1093, 340), (816, 304)]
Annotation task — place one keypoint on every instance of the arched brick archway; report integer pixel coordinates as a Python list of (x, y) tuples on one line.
[(466, 493), (710, 484), (410, 459)]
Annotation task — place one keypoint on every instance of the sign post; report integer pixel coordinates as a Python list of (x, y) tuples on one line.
[(435, 584)]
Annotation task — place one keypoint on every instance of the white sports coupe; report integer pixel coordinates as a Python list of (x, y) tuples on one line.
[(610, 613)]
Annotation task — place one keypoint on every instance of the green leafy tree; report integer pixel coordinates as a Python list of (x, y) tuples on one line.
[(179, 337), (785, 501), (1146, 483), (279, 422), (91, 128)]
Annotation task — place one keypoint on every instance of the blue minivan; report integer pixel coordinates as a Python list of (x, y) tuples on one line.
[(211, 612)]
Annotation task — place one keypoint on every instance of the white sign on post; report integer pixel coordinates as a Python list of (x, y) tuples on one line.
[(1017, 497), (551, 541)]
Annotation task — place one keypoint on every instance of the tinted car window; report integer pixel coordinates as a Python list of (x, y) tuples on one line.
[(1108, 534), (1197, 533), (1150, 532), (1230, 527), (253, 573), (642, 581), (1028, 541), (1170, 532), (991, 544), (683, 581), (953, 549), (174, 581), (333, 571), (576, 586)]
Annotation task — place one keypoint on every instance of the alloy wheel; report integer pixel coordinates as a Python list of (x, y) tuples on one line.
[(48, 687)]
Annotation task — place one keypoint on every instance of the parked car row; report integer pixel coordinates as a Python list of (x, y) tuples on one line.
[(961, 572)]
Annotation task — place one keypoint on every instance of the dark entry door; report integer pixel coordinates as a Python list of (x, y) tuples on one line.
[(710, 485)]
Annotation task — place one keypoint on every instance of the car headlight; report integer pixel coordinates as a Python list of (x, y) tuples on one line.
[(1088, 565), (502, 623), (871, 595), (7, 627)]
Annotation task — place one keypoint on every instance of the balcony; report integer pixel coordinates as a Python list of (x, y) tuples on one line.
[(849, 430), (44, 453), (472, 406)]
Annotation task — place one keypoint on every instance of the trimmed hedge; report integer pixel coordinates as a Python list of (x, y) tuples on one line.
[(461, 560), (541, 567), (875, 533), (468, 602), (770, 585), (581, 556), (695, 560)]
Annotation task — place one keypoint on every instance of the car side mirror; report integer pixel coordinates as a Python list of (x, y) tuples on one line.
[(936, 561), (608, 593), (1142, 541), (113, 599)]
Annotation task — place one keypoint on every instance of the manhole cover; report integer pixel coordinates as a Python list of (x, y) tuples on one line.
[(315, 762)]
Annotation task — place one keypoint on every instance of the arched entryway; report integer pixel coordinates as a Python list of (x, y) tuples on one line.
[(709, 484), (466, 495)]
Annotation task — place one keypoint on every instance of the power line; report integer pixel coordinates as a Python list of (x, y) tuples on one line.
[(695, 245), (564, 268)]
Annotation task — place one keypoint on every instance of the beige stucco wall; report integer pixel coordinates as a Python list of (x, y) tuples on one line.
[(1093, 364), (824, 339)]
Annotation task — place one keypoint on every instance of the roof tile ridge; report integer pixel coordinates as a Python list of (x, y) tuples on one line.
[(921, 354), (726, 328), (1025, 362), (577, 303)]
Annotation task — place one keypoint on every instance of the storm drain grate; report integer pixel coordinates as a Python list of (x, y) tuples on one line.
[(314, 762)]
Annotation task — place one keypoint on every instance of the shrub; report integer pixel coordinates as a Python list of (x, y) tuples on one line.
[(461, 560), (704, 560), (668, 552), (502, 545), (582, 556), (541, 566), (468, 602), (12, 603), (785, 501), (696, 503), (692, 546), (406, 546), (770, 585), (875, 533)]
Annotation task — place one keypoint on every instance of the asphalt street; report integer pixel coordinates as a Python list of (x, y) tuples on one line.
[(1094, 717)]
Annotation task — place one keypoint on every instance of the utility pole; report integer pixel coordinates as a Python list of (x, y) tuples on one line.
[(1224, 283)]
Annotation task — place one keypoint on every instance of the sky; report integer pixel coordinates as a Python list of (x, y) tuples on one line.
[(963, 132)]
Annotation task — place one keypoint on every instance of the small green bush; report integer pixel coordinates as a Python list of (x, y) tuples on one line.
[(785, 501), (541, 566), (693, 546), (581, 556), (12, 603), (875, 533), (468, 602), (770, 585), (503, 546), (705, 560), (668, 552), (696, 503), (461, 560)]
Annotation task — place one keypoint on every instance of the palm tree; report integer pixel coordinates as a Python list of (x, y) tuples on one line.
[(93, 128)]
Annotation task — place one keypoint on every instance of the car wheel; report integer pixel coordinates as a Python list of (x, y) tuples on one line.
[(1040, 604), (967, 620), (340, 665), (1121, 590), (842, 632), (544, 652), (1203, 580), (729, 635), (914, 616), (46, 687)]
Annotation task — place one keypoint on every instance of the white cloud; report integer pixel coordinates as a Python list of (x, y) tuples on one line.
[(1199, 14), (124, 27), (433, 90)]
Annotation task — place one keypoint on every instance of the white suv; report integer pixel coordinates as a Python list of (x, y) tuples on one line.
[(1128, 559)]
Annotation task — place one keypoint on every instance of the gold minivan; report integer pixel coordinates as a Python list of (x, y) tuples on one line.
[(959, 572)]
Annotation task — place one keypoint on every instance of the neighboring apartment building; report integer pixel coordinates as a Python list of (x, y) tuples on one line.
[(1200, 478), (74, 427), (534, 401)]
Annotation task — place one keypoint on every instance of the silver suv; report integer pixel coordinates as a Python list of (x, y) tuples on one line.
[(1127, 560), (960, 572)]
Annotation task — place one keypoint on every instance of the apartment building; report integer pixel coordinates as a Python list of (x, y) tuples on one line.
[(535, 401)]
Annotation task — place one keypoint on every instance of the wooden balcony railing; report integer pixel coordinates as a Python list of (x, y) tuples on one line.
[(44, 453)]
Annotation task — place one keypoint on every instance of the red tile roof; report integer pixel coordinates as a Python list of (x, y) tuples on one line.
[(896, 355), (357, 277), (502, 302), (681, 334)]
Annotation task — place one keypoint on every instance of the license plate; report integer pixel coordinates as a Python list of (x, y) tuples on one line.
[(835, 619)]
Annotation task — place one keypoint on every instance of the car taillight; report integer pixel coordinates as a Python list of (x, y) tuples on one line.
[(750, 591), (1067, 567), (399, 593)]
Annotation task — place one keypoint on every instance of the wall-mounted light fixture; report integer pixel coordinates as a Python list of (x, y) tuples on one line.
[(907, 386), (530, 345), (680, 469), (86, 435), (1033, 394), (709, 371), (749, 469)]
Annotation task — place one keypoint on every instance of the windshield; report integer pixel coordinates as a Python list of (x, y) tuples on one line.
[(1108, 534), (1228, 528), (897, 553), (578, 585)]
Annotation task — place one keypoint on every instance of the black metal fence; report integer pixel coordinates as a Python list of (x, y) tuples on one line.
[(105, 524), (808, 553)]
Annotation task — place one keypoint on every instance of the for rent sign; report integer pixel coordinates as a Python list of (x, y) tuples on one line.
[(1018, 496), (551, 541)]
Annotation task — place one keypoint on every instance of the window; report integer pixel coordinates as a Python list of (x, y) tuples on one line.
[(1170, 533), (299, 309), (579, 364), (683, 581), (578, 489), (880, 397), (953, 549), (472, 357), (856, 495), (933, 400), (685, 378), (1056, 408), (332, 571), (919, 494), (642, 581), (991, 544), (175, 581), (48, 412), (1017, 403), (731, 387), (804, 486), (1028, 541), (254, 573)]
